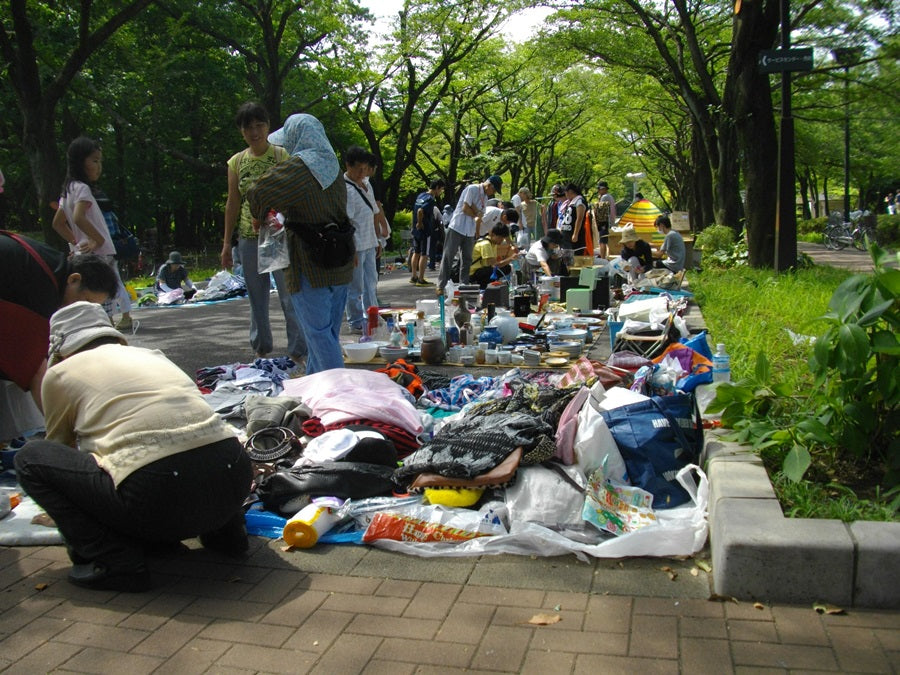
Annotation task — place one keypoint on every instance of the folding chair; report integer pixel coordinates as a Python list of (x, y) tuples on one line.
[(648, 343)]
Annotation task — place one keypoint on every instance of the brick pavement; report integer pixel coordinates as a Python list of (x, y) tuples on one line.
[(328, 611)]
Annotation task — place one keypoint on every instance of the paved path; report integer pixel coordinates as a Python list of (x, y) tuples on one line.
[(848, 258), (355, 609)]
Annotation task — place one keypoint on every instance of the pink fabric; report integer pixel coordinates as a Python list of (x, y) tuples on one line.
[(343, 394), (568, 426)]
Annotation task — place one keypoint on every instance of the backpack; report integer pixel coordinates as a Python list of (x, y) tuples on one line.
[(127, 245), (424, 202)]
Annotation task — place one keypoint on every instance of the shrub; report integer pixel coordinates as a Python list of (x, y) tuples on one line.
[(887, 230), (852, 412), (714, 238)]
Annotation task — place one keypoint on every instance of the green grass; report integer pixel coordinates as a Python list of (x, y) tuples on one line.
[(749, 310)]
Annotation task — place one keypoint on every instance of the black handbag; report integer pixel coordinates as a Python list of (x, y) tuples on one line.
[(330, 245)]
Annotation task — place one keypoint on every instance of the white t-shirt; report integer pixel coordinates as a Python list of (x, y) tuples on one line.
[(362, 214), (81, 192), (476, 198)]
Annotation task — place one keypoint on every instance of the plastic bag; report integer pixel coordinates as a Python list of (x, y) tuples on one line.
[(615, 507), (273, 246), (595, 445), (431, 524), (174, 297), (541, 495)]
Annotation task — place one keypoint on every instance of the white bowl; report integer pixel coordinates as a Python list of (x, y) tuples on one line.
[(360, 352), (572, 334), (393, 353)]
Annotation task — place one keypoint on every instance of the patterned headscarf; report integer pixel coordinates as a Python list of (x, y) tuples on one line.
[(304, 136)]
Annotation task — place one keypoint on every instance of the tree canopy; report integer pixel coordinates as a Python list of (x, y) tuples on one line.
[(601, 89)]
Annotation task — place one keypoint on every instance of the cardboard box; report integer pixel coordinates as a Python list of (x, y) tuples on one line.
[(583, 261), (681, 221)]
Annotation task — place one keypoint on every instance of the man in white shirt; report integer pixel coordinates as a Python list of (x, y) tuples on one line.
[(463, 229), (361, 210)]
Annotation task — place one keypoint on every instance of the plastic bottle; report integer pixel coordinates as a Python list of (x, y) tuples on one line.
[(305, 528), (721, 368)]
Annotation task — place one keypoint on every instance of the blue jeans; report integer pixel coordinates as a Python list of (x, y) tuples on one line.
[(258, 288), (180, 496), (361, 292), (321, 311), (453, 242)]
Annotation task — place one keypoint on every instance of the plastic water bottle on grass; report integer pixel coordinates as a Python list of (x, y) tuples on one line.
[(721, 365)]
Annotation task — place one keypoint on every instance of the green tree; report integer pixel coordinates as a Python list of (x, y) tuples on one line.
[(41, 71)]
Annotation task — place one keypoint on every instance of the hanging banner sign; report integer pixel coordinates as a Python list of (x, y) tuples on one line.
[(780, 60)]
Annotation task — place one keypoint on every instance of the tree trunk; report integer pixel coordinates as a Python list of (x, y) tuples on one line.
[(39, 143), (748, 101)]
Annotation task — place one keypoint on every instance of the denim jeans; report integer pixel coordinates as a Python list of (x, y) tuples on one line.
[(361, 292), (258, 288), (174, 498), (453, 242), (321, 311)]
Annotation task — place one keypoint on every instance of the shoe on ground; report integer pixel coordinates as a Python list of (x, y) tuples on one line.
[(424, 282), (230, 539), (414, 281), (98, 576), (125, 323)]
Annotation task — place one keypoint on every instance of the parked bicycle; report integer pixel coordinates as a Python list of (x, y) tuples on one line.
[(857, 232)]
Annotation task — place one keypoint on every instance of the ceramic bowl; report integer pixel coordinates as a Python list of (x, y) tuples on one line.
[(531, 357), (572, 335), (556, 361), (571, 348), (393, 353), (360, 352)]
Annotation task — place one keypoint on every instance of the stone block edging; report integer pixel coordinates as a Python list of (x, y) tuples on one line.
[(758, 554)]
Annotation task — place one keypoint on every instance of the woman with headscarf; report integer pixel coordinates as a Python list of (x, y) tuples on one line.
[(307, 189)]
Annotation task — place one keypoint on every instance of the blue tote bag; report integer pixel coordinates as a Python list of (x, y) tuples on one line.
[(656, 438)]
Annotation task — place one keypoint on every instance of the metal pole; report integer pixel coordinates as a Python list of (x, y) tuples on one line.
[(847, 143), (786, 209)]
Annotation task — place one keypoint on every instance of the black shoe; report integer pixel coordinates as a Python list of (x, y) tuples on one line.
[(230, 539), (100, 577)]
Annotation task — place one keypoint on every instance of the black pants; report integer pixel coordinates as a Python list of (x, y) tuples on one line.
[(174, 498)]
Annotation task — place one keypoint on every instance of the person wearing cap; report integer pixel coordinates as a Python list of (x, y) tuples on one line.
[(603, 217), (244, 168), (35, 281), (308, 189), (545, 255), (636, 253), (134, 458), (172, 274), (464, 228)]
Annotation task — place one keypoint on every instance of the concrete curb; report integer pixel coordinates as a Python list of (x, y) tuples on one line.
[(758, 554)]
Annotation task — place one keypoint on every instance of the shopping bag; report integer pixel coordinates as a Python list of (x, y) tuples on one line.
[(656, 438), (273, 245)]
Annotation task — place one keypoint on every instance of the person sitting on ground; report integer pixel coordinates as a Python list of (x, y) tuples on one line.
[(172, 274), (636, 254), (545, 255), (672, 247), (487, 263), (134, 458), (35, 281)]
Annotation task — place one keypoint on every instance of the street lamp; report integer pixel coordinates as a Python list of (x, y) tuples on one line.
[(635, 178), (846, 57)]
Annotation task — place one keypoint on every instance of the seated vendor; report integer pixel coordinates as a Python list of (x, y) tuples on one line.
[(672, 253), (492, 256), (636, 254), (172, 274), (134, 458)]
